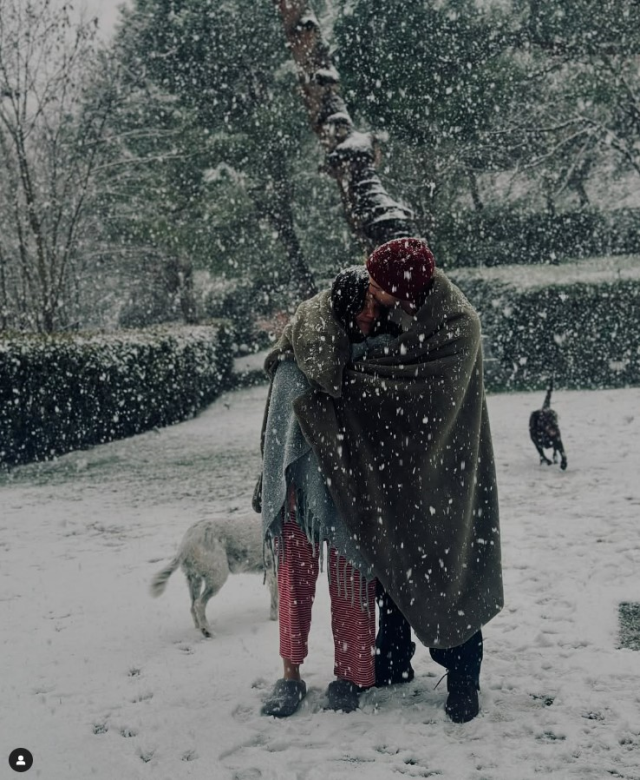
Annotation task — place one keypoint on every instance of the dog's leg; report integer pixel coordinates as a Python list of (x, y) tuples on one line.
[(563, 456), (215, 575), (543, 457), (194, 582), (211, 587), (201, 608)]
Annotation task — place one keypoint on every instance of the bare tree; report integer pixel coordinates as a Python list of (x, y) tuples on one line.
[(51, 140), (351, 156), (590, 82)]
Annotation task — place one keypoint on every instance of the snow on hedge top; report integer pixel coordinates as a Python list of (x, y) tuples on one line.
[(594, 270), (115, 348), (196, 333)]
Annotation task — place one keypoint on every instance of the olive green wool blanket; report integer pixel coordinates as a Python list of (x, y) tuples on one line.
[(403, 439)]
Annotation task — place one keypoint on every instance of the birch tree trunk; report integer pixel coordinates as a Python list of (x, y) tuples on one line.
[(351, 156)]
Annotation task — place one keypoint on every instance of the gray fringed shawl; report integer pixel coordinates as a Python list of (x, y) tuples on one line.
[(289, 460)]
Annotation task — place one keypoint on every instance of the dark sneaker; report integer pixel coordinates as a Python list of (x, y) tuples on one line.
[(285, 698), (344, 695), (390, 673), (462, 703)]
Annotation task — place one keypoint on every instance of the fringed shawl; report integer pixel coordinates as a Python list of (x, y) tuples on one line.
[(288, 461)]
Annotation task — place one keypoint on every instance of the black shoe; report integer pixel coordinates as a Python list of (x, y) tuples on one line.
[(344, 695), (285, 698), (462, 703), (390, 673)]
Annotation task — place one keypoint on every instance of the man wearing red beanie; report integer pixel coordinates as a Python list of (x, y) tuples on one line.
[(400, 272)]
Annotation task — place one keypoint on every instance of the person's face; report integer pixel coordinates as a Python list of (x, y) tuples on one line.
[(369, 314), (388, 301)]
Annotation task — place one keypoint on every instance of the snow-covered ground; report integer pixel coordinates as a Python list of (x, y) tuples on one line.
[(100, 681)]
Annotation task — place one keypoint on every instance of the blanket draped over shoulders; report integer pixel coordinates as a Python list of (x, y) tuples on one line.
[(403, 440)]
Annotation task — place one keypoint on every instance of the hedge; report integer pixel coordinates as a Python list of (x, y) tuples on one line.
[(60, 393), (506, 236), (585, 332)]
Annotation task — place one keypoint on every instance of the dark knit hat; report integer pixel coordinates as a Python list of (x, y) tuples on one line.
[(348, 296), (402, 267)]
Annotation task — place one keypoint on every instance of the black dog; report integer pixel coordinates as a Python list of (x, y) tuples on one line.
[(545, 433)]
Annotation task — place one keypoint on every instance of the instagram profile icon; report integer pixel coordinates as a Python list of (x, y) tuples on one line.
[(20, 760)]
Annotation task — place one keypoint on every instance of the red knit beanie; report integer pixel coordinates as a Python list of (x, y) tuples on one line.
[(402, 267)]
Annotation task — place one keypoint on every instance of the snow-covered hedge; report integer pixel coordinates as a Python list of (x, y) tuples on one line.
[(579, 321), (505, 236), (60, 393)]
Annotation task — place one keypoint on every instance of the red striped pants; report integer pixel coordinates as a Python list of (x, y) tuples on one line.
[(352, 623)]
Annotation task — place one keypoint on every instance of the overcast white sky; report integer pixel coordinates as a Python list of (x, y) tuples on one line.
[(105, 10)]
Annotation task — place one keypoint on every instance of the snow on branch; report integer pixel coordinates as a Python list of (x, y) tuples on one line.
[(351, 155)]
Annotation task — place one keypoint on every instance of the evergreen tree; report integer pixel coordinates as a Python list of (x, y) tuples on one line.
[(227, 65), (438, 77)]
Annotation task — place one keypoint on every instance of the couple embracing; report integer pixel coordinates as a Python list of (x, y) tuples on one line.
[(376, 441)]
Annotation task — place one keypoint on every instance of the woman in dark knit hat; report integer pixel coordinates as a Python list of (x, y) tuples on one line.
[(299, 515)]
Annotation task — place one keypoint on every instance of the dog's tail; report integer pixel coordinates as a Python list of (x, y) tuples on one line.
[(547, 398), (159, 582)]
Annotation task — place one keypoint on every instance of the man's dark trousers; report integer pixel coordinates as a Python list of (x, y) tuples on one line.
[(394, 648)]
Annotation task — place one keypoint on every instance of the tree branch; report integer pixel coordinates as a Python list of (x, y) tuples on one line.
[(351, 156)]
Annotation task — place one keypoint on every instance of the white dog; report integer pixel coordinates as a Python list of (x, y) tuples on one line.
[(209, 551)]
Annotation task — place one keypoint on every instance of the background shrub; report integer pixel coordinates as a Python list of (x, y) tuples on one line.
[(60, 393), (579, 322), (507, 235)]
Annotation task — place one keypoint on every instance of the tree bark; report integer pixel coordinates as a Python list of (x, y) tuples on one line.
[(302, 279), (178, 280), (351, 156), (4, 295), (478, 205), (274, 203)]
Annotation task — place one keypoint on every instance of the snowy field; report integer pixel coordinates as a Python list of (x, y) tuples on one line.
[(100, 681)]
